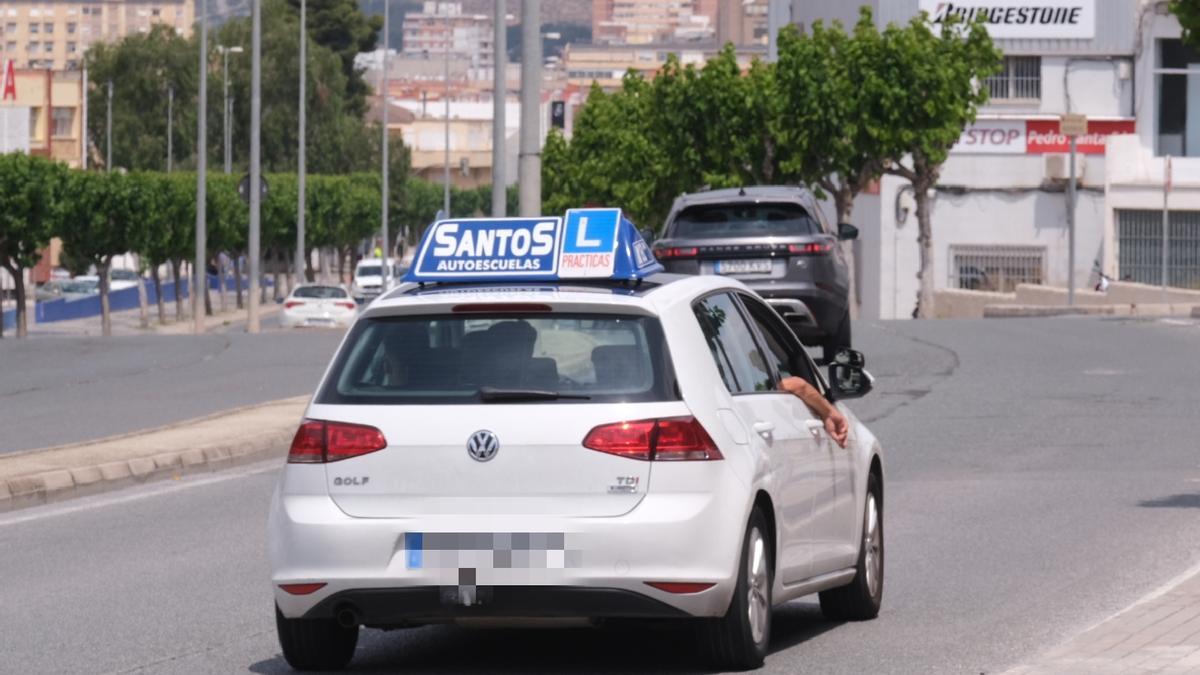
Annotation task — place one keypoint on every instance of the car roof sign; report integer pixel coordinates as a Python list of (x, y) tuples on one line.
[(583, 244)]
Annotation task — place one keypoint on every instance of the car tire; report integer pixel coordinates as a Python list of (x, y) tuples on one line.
[(838, 340), (739, 640), (860, 599), (315, 644)]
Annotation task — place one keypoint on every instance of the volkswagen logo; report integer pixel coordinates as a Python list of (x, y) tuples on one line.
[(483, 445)]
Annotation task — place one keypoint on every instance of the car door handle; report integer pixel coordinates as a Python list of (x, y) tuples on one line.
[(764, 428), (815, 427)]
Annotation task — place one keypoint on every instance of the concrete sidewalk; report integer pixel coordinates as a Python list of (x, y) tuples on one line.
[(204, 444), (128, 322), (1158, 634)]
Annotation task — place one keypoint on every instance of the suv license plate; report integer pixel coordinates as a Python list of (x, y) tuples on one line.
[(743, 266)]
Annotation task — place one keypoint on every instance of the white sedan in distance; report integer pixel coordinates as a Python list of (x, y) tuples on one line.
[(318, 305), (541, 426)]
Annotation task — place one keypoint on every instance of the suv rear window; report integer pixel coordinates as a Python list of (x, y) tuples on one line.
[(447, 359), (711, 221), (320, 292)]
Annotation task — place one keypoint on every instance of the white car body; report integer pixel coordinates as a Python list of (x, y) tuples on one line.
[(366, 286), (302, 308), (113, 284), (348, 525)]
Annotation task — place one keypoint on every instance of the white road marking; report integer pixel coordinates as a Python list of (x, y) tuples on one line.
[(186, 482)]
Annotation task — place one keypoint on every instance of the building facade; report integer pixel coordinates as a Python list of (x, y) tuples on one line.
[(1000, 208), (442, 26), (54, 34)]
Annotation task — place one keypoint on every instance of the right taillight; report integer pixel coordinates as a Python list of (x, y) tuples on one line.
[(676, 252), (318, 442), (810, 249), (667, 439), (292, 303)]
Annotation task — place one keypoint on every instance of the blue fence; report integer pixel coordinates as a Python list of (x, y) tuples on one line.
[(126, 298)]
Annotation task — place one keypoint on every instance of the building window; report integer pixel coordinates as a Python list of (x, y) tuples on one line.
[(34, 27), (10, 46), (10, 27), (1178, 131), (1020, 79), (48, 47), (155, 12), (72, 65), (32, 47), (1140, 242), (71, 30), (63, 121), (996, 268), (70, 47), (47, 28)]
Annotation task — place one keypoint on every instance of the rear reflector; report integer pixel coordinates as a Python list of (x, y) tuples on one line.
[(347, 305), (301, 589), (318, 442), (676, 252), (292, 303), (668, 439), (810, 249), (680, 586), (500, 307)]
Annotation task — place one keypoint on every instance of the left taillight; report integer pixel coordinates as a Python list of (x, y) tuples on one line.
[(319, 442), (292, 303), (663, 440)]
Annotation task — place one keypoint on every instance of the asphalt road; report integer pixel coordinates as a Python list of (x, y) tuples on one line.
[(1041, 475), (58, 390)]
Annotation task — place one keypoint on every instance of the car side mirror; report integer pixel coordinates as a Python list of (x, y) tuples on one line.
[(846, 231), (847, 376)]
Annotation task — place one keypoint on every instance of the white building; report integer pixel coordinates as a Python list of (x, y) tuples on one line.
[(999, 212)]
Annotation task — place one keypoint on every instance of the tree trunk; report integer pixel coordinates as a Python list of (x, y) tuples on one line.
[(237, 278), (925, 243), (18, 275), (341, 264), (309, 273), (105, 313), (158, 298), (175, 264), (221, 281), (843, 199), (203, 276), (143, 299)]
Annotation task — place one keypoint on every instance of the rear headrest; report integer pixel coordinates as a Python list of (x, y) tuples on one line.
[(617, 365)]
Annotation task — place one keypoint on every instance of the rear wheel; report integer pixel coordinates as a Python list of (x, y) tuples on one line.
[(838, 339), (860, 599), (738, 640), (315, 644)]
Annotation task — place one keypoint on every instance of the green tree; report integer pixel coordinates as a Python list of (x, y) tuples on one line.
[(1188, 13), (141, 68), (930, 93), (94, 223), (342, 27), (29, 190)]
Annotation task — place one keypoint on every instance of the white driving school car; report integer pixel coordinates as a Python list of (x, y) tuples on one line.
[(540, 424)]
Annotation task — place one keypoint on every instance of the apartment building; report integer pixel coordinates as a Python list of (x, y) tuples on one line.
[(54, 34), (442, 26)]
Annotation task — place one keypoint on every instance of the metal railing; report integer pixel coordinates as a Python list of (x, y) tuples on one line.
[(996, 268), (1020, 80), (1139, 247)]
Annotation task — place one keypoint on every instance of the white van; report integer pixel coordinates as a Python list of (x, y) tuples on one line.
[(368, 278)]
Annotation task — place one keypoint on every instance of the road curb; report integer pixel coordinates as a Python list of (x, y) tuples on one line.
[(52, 486), (130, 458)]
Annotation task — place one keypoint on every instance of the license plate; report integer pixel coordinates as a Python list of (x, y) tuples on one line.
[(743, 266)]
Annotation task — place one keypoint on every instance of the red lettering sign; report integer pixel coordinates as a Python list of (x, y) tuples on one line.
[(10, 82), (1043, 136)]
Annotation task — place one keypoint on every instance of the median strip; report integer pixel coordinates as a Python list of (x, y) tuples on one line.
[(225, 439)]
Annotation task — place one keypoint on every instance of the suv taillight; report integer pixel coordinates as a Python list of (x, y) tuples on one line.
[(668, 439), (810, 249), (676, 252), (318, 442)]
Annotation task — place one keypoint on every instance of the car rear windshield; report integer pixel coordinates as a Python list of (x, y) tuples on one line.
[(320, 292), (712, 221), (368, 271), (448, 359)]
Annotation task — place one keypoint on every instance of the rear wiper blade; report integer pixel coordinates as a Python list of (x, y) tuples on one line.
[(490, 394)]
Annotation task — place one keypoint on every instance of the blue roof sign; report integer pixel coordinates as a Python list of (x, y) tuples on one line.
[(585, 244)]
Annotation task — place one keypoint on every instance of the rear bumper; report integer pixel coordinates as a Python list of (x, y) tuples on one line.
[(822, 309), (386, 607), (545, 566)]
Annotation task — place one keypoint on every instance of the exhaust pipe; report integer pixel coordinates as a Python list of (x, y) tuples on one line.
[(347, 617)]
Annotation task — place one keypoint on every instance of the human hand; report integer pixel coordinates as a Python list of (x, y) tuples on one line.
[(837, 427)]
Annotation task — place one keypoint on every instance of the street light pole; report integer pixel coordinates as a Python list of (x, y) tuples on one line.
[(198, 272), (108, 132), (252, 323), (499, 99), (446, 125), (385, 268), (170, 126), (529, 167), (227, 108), (300, 155)]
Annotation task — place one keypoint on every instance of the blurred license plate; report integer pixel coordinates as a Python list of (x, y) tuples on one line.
[(743, 266)]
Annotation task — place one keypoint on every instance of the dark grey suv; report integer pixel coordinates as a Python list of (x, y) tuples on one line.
[(777, 241)]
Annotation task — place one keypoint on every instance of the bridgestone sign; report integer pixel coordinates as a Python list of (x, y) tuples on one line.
[(1022, 19)]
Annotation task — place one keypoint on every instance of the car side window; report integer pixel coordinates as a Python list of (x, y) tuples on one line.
[(782, 347), (741, 363)]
